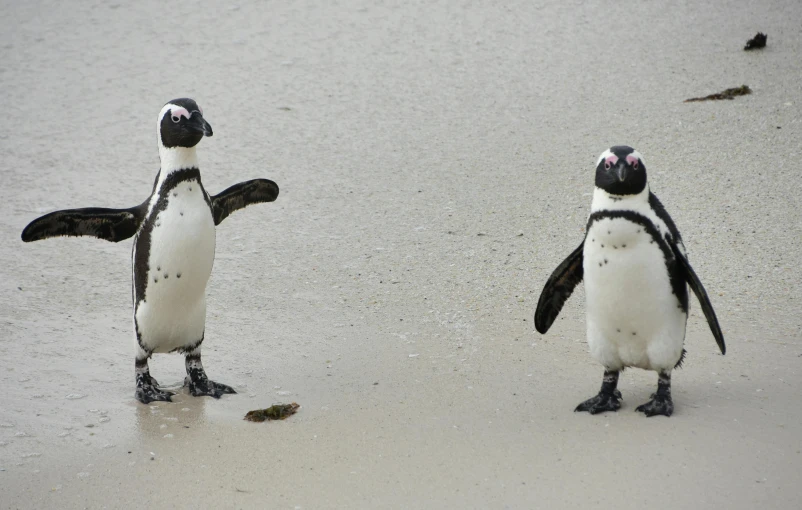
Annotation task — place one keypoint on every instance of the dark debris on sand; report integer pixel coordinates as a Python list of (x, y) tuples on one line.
[(757, 42), (725, 94), (274, 412)]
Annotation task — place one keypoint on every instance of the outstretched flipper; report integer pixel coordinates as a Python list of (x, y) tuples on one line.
[(113, 225), (242, 195), (701, 295), (558, 289)]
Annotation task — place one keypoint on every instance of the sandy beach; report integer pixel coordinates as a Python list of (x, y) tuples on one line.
[(436, 164)]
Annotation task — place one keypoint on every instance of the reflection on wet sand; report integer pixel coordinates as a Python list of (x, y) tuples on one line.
[(168, 420)]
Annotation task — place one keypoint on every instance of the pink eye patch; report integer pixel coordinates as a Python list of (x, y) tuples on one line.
[(633, 161), (177, 113), (610, 160)]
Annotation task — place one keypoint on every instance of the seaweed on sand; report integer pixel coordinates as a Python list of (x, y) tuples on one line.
[(724, 94), (274, 412), (757, 42)]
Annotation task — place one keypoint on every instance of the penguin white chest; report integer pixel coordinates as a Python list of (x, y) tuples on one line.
[(180, 259), (633, 316)]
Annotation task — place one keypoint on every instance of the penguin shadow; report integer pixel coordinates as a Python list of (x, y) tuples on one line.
[(171, 420)]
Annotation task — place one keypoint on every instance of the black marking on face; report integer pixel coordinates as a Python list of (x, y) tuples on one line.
[(678, 284), (183, 125), (619, 174), (178, 275)]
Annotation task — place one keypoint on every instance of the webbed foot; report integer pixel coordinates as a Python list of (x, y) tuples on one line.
[(601, 403), (206, 387), (608, 399), (200, 385), (147, 390), (658, 405), (661, 403)]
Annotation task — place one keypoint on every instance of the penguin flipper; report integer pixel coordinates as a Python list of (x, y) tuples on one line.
[(701, 295), (113, 225), (558, 289), (242, 195)]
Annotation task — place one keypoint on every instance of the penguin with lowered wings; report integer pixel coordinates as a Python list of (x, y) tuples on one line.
[(636, 276), (174, 247)]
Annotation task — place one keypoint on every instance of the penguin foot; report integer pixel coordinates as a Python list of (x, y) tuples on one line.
[(658, 405), (601, 402), (207, 387), (147, 391)]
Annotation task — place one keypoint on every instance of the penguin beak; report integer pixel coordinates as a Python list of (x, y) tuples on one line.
[(197, 124), (622, 172)]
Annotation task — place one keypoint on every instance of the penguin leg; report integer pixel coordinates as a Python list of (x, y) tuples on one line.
[(147, 388), (661, 402), (608, 399), (197, 381)]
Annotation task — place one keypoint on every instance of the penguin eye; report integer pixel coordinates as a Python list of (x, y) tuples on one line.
[(635, 164), (176, 114), (606, 165)]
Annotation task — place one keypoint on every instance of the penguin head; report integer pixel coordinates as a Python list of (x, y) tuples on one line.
[(621, 171), (181, 124)]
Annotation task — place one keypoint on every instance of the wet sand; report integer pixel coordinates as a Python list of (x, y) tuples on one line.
[(435, 163)]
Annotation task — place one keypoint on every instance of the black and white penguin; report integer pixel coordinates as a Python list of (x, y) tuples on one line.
[(173, 249), (636, 277)]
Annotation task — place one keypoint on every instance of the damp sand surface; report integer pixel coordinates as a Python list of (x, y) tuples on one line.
[(436, 162)]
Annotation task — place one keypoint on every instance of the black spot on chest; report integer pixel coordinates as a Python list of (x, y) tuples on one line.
[(142, 245), (677, 279)]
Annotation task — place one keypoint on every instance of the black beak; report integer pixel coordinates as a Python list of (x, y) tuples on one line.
[(198, 124), (622, 172)]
